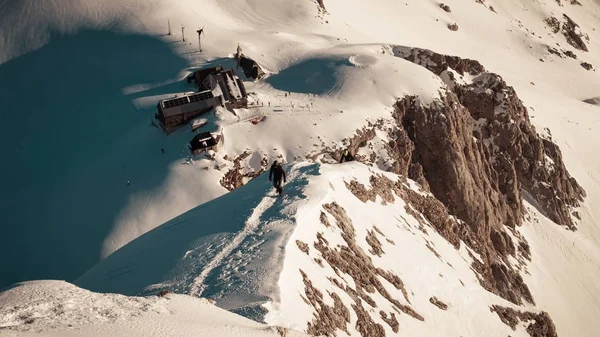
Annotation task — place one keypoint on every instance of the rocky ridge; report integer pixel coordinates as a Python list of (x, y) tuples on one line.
[(477, 153)]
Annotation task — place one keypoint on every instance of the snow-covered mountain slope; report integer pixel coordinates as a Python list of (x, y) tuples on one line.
[(98, 57), (343, 75), (57, 308), (345, 250)]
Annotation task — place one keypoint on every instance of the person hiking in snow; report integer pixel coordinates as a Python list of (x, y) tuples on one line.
[(346, 156), (276, 174)]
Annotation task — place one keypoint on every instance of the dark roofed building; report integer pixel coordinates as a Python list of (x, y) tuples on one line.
[(250, 67), (204, 142), (174, 112), (227, 81), (232, 88), (201, 75)]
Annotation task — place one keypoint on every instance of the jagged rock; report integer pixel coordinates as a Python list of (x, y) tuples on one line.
[(374, 243), (327, 318), (391, 321), (453, 27), (525, 250), (302, 246), (571, 31), (440, 62), (542, 325), (494, 275), (234, 178), (593, 101), (573, 34), (571, 54), (476, 151), (321, 6), (352, 261), (163, 293), (445, 7), (502, 242), (555, 52), (359, 140), (587, 66), (490, 111), (553, 23), (433, 300)]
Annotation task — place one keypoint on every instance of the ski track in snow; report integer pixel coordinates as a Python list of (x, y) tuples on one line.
[(291, 38), (198, 287), (261, 232)]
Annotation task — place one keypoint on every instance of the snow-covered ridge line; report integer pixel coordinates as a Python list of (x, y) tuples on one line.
[(342, 228), (111, 60), (344, 249)]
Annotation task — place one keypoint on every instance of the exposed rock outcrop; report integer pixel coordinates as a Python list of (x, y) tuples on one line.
[(434, 300), (327, 318), (587, 66), (391, 321), (571, 31), (302, 246), (374, 243), (320, 6), (234, 178), (493, 270), (541, 324), (480, 135), (352, 261), (445, 7), (476, 151), (593, 101), (573, 34)]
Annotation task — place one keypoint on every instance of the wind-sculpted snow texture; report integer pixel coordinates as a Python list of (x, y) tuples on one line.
[(60, 309)]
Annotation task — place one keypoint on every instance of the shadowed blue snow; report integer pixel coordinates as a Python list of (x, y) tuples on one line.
[(236, 240), (319, 76), (71, 140)]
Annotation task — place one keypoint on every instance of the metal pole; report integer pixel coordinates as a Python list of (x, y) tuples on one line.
[(199, 31), (169, 23), (183, 32)]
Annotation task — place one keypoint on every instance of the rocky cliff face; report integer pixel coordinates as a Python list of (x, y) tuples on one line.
[(477, 153)]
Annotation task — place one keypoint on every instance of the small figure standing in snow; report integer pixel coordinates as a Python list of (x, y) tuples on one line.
[(269, 103), (276, 174), (127, 182)]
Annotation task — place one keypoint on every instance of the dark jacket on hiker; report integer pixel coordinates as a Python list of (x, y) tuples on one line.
[(277, 173), (346, 156)]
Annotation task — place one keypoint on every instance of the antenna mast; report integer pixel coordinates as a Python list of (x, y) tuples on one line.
[(169, 23), (183, 32), (200, 32)]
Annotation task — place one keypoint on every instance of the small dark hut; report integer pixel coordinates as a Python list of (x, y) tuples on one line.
[(250, 67), (175, 112), (204, 142)]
